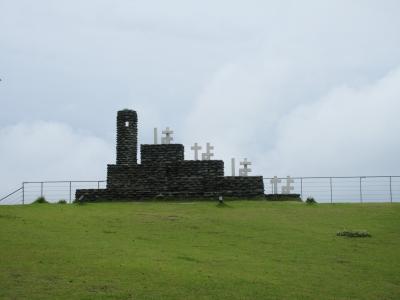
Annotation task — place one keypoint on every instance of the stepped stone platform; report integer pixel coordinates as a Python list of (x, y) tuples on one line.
[(163, 172)]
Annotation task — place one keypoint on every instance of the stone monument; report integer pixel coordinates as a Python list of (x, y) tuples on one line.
[(163, 172)]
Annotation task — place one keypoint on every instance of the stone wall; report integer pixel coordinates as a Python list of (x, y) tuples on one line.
[(188, 168), (138, 178), (162, 153), (246, 186), (167, 177), (179, 187)]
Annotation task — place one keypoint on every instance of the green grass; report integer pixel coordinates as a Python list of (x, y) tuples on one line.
[(247, 250)]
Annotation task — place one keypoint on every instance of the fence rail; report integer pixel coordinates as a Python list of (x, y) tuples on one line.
[(53, 191), (324, 189), (345, 189)]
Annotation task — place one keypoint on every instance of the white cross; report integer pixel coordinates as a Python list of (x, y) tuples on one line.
[(245, 170), (196, 149), (208, 154), (155, 136), (287, 188), (168, 136), (274, 181)]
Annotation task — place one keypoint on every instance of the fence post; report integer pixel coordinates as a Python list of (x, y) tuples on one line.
[(330, 183), (70, 192), (361, 198), (23, 193), (390, 185), (301, 187), (98, 185), (41, 189), (272, 188)]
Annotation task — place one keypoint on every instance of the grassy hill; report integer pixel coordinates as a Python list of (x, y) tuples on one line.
[(248, 250)]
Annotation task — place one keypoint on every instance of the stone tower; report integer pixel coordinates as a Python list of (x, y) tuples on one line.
[(127, 137)]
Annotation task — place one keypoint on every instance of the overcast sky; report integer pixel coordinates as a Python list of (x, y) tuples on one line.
[(298, 87)]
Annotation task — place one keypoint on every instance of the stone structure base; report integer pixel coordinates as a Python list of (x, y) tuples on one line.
[(185, 187), (283, 197)]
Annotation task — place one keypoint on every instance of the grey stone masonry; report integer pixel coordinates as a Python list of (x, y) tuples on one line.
[(163, 172), (151, 154), (127, 137), (203, 168), (246, 186)]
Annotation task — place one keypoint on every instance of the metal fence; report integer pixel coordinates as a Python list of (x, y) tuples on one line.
[(322, 189), (338, 189), (53, 191)]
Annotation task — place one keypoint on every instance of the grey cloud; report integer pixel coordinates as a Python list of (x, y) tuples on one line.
[(43, 150), (348, 131)]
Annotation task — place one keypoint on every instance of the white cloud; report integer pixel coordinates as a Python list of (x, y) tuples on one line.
[(249, 111), (350, 131), (50, 151)]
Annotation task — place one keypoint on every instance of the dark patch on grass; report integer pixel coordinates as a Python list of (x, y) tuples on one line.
[(79, 202), (342, 261), (104, 288), (223, 205), (354, 233), (142, 238), (188, 258), (40, 200), (16, 275), (8, 217), (213, 232), (311, 201)]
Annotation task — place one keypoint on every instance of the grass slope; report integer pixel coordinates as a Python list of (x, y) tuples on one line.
[(249, 250)]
